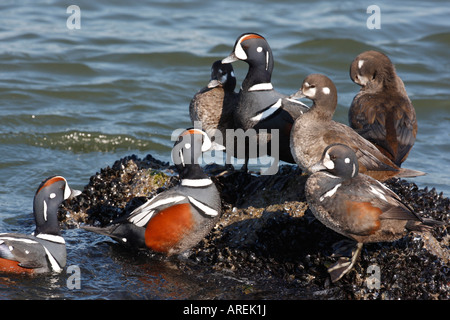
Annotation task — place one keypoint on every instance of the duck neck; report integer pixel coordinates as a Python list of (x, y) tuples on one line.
[(258, 74), (230, 84), (324, 107), (46, 218), (192, 172)]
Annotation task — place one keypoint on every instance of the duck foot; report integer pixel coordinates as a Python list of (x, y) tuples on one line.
[(344, 264)]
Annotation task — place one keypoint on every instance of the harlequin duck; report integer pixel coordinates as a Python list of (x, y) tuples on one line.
[(177, 219), (260, 106), (44, 250), (213, 105), (382, 111), (356, 205), (315, 130)]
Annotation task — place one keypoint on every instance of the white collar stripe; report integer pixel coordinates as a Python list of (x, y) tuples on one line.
[(196, 182), (261, 87)]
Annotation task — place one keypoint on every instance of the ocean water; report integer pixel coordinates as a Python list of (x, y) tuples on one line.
[(73, 101)]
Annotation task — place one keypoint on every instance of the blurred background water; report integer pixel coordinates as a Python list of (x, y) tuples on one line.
[(74, 101)]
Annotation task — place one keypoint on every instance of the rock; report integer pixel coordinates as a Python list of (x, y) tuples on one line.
[(268, 235)]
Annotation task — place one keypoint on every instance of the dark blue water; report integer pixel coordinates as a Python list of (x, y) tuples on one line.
[(74, 101)]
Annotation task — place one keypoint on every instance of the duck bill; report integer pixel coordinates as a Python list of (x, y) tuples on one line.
[(299, 94), (214, 83), (317, 167), (74, 193), (231, 58)]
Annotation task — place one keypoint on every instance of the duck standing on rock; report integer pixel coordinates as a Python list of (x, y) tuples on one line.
[(177, 219), (356, 205), (45, 250), (213, 106), (260, 106), (382, 111), (315, 130)]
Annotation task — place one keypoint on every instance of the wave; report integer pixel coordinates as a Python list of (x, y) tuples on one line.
[(82, 141)]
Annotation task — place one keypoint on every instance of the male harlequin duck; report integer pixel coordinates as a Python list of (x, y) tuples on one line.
[(315, 130), (213, 106), (382, 111), (356, 205), (260, 106), (45, 250), (177, 219)]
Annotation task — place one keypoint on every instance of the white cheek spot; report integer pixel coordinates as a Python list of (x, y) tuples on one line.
[(360, 63), (52, 195), (224, 78), (259, 49), (347, 160), (232, 74), (327, 162), (326, 90)]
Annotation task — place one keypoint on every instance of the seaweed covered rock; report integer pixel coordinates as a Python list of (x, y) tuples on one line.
[(268, 235), (115, 190)]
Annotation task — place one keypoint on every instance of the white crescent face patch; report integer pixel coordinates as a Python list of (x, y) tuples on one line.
[(327, 162), (310, 92), (239, 51)]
